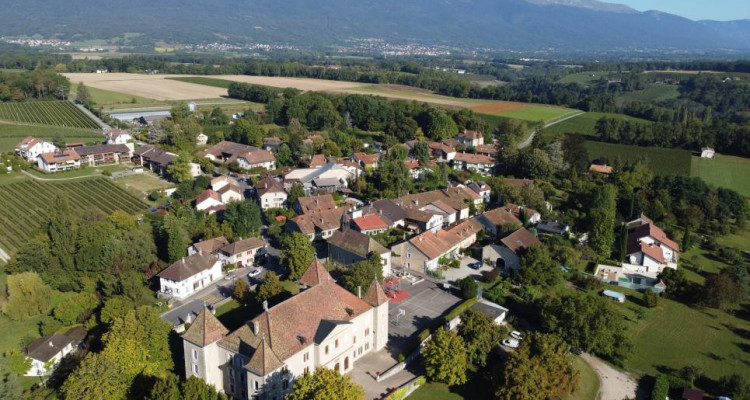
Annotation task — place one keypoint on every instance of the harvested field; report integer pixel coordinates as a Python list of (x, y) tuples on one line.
[(498, 107), (155, 87), (297, 83)]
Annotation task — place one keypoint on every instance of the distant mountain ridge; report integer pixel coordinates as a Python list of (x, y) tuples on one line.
[(565, 25)]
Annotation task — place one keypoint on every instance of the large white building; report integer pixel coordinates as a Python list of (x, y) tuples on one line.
[(323, 326), (649, 247), (271, 193), (31, 147), (57, 162), (46, 352), (190, 274)]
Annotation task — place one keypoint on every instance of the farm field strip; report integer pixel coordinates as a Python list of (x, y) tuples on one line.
[(54, 113), (26, 204), (724, 171), (661, 161)]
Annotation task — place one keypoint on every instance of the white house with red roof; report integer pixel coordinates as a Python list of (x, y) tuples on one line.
[(649, 247), (31, 147), (190, 274), (56, 162)]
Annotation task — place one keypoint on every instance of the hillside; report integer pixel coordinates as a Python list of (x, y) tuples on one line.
[(564, 25)]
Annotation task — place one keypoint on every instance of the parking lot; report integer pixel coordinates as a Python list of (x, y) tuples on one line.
[(454, 274), (426, 302)]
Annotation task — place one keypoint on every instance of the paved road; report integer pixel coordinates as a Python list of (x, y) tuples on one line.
[(4, 256), (530, 139), (96, 119), (615, 385)]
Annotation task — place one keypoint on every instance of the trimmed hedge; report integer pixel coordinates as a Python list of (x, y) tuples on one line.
[(661, 388)]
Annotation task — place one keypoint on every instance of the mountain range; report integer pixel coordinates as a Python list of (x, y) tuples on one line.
[(556, 25)]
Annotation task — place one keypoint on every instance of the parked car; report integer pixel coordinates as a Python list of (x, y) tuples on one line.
[(229, 277), (516, 335), (475, 265), (512, 343), (254, 272)]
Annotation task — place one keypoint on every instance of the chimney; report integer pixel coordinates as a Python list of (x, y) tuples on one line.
[(265, 305), (50, 344), (359, 291), (256, 327)]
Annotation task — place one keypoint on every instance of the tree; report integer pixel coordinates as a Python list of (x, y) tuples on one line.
[(176, 237), (241, 290), (440, 125), (167, 388), (469, 287), (144, 326), (721, 291), (10, 388), (98, 377), (735, 386), (422, 153), (393, 174), (650, 299), (661, 387), (297, 254), (197, 389), (83, 96), (480, 334), (26, 296), (540, 369), (244, 217), (325, 383), (296, 192), (246, 131), (445, 358), (15, 362), (180, 168), (73, 309), (538, 267), (602, 220), (361, 273), (270, 287)]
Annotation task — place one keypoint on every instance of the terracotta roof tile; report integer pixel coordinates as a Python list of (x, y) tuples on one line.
[(310, 204), (64, 156), (188, 266), (356, 243), (205, 329), (370, 222), (315, 274), (375, 295), (244, 245), (520, 239), (501, 216), (264, 360), (211, 245)]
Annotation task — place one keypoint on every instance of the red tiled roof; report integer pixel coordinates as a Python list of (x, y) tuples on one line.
[(244, 245), (205, 329), (188, 266), (434, 245), (370, 222), (367, 159), (602, 169), (375, 295), (654, 251), (501, 216), (486, 149), (211, 245), (649, 229), (65, 156), (474, 158), (309, 204), (515, 209), (207, 194), (315, 274), (469, 134), (318, 160), (520, 239)]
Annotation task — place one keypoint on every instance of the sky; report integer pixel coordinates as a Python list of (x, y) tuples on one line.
[(720, 10)]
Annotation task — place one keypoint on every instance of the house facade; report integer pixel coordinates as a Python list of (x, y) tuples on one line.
[(118, 136), (270, 193), (103, 154), (649, 247), (189, 275), (46, 352), (349, 246), (57, 162), (242, 252), (31, 147), (422, 252), (322, 326)]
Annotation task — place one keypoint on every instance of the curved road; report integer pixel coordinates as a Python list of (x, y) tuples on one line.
[(614, 384), (529, 139), (34, 177)]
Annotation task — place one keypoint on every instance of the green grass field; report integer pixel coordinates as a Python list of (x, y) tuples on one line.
[(26, 204), (588, 381), (200, 80), (104, 98), (584, 124), (661, 161), (55, 113), (654, 93), (724, 171), (434, 391), (11, 134), (739, 240), (673, 335), (536, 113), (419, 96)]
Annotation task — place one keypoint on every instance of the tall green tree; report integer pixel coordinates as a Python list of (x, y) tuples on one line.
[(175, 237), (297, 253), (538, 267), (480, 334), (393, 174), (270, 287), (246, 131), (61, 229), (83, 96), (244, 217), (602, 220), (539, 369), (325, 383), (26, 295), (446, 358), (167, 388), (10, 388), (295, 193), (361, 273), (180, 168)]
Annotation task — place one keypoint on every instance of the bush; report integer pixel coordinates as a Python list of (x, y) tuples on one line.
[(491, 275), (650, 299), (469, 287), (661, 388), (730, 255)]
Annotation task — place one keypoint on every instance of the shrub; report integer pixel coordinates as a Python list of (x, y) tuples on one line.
[(491, 275), (661, 388), (469, 287), (650, 299)]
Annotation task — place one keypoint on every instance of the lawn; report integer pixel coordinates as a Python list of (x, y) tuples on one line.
[(144, 182), (11, 134), (588, 381), (105, 98), (661, 161), (536, 113), (724, 171), (415, 94), (585, 78), (653, 94), (584, 124), (434, 391), (697, 262), (739, 240), (673, 335)]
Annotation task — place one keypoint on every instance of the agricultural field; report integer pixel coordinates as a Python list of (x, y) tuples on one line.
[(724, 171), (156, 87), (661, 161), (653, 94), (54, 113), (416, 94), (585, 78), (106, 98), (203, 80), (11, 134), (536, 113), (26, 204), (584, 124)]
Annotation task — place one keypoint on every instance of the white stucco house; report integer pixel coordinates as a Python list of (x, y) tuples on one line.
[(189, 275), (31, 147), (56, 162), (270, 193), (46, 352)]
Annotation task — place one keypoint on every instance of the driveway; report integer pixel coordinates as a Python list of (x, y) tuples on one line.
[(615, 385), (454, 274)]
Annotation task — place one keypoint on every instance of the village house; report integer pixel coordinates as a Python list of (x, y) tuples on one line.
[(272, 143), (552, 228), (474, 162), (495, 312), (248, 157), (470, 138), (46, 352), (209, 201), (499, 220), (482, 189), (31, 147), (369, 224), (367, 161), (103, 154), (328, 177), (60, 161), (649, 247), (487, 150), (201, 139), (118, 136), (349, 246), (208, 246), (317, 161), (158, 160), (531, 216), (708, 152), (270, 193), (322, 326), (310, 204), (242, 252), (422, 253), (442, 151), (189, 275), (516, 242), (318, 225)]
